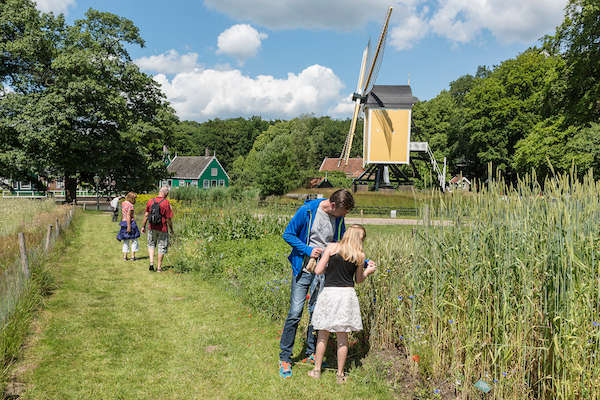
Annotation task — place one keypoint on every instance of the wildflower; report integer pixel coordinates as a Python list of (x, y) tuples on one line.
[(411, 297), (388, 270), (504, 374), (495, 380), (596, 323), (400, 298), (436, 391), (416, 358), (401, 337), (450, 321), (418, 326)]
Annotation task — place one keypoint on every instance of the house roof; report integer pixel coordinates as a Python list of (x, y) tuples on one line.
[(188, 167), (457, 179), (353, 169), (391, 96)]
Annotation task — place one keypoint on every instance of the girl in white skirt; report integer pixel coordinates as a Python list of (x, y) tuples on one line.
[(337, 308)]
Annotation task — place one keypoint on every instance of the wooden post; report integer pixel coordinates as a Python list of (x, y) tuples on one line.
[(48, 236), (362, 220), (83, 206), (57, 228), (426, 215), (23, 250)]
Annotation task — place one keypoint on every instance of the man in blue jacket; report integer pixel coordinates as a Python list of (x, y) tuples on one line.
[(315, 224)]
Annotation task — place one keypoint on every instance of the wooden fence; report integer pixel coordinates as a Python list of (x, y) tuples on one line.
[(15, 277)]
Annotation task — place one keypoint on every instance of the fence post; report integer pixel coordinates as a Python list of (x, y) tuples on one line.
[(23, 250), (426, 215), (362, 220), (57, 228), (48, 236)]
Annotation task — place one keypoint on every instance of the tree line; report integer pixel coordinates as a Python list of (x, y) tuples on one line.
[(538, 111)]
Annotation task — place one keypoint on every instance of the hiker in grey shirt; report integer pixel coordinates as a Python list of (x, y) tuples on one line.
[(315, 224)]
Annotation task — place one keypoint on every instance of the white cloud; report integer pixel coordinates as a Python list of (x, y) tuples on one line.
[(508, 20), (291, 14), (170, 62), (56, 6), (343, 109), (210, 93), (460, 21), (405, 35), (240, 42)]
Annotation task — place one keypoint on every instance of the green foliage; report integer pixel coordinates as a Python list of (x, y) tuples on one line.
[(285, 155), (577, 39), (229, 138), (215, 197), (90, 111)]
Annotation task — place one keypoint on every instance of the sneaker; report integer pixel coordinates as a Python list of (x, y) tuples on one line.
[(311, 360), (151, 268), (285, 369)]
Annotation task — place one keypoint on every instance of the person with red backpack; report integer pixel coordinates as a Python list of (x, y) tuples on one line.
[(159, 214)]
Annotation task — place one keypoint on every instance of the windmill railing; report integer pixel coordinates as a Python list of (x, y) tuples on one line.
[(424, 147)]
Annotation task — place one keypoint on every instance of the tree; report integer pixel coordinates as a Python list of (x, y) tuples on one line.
[(578, 40), (92, 112)]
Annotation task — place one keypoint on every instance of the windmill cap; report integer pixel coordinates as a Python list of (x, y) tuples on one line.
[(391, 96)]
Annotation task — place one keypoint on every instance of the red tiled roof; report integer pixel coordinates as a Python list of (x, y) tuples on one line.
[(353, 169)]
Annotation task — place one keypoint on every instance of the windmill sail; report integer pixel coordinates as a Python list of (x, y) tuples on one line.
[(364, 84)]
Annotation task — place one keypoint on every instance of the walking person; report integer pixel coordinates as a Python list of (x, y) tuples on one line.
[(129, 232), (316, 224), (337, 309), (114, 204), (159, 214)]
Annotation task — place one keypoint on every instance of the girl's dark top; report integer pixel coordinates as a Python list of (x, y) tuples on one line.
[(339, 272)]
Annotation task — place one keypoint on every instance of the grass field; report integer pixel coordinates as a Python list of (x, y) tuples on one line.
[(113, 330)]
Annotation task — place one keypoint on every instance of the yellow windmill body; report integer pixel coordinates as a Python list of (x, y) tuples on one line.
[(387, 119)]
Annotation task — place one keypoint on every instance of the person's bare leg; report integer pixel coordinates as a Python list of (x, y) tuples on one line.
[(151, 255), (342, 353), (160, 260), (322, 338)]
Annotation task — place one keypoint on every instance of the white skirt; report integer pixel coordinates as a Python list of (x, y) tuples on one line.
[(337, 310)]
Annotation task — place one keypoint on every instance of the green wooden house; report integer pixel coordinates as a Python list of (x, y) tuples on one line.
[(202, 171)]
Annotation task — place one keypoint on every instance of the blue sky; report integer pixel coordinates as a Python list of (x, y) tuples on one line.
[(285, 58)]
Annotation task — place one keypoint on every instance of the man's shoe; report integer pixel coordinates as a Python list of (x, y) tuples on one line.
[(151, 268), (285, 369)]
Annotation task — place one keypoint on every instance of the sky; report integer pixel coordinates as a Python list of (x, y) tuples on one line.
[(286, 58)]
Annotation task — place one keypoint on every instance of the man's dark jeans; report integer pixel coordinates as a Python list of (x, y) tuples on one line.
[(302, 284)]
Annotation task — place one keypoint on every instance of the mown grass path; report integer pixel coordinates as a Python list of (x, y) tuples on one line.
[(113, 330)]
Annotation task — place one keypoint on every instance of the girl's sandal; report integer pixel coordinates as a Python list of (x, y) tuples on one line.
[(341, 378), (313, 373)]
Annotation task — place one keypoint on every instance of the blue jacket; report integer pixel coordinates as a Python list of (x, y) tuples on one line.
[(297, 233)]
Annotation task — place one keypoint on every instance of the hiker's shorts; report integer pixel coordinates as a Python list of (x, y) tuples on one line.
[(158, 239)]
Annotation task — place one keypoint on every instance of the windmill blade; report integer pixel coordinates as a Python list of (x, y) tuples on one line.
[(359, 90), (378, 55)]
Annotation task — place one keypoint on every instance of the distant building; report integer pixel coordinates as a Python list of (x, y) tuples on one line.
[(200, 171), (353, 170), (460, 183)]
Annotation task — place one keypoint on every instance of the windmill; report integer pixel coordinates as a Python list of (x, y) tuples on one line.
[(387, 118)]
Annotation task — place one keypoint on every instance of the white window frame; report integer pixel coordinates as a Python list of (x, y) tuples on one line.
[(221, 182), (23, 186), (213, 183), (214, 172), (170, 182), (60, 184), (206, 184)]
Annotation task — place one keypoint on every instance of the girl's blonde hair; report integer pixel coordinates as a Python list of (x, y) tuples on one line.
[(351, 246), (130, 197)]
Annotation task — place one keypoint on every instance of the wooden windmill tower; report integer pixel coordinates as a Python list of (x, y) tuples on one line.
[(387, 119)]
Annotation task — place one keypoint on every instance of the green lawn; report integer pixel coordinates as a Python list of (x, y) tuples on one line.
[(113, 330)]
